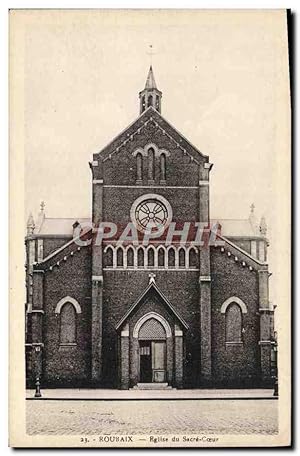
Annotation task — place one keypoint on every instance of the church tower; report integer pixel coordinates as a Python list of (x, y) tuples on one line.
[(150, 96)]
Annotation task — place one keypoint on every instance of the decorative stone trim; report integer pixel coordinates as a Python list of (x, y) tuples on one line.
[(146, 317), (204, 279), (34, 344), (234, 343), (97, 278), (203, 182), (97, 181), (68, 344), (64, 301), (144, 151), (178, 333), (95, 163), (236, 300), (161, 268), (163, 131), (37, 311), (38, 271), (182, 187), (156, 249), (265, 342)]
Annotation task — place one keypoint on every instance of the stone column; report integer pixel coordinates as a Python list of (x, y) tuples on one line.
[(170, 360), (134, 361), (178, 358), (204, 278), (37, 313), (266, 326), (124, 358), (97, 287), (97, 276)]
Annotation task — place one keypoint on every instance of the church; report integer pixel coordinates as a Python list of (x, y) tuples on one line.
[(148, 290)]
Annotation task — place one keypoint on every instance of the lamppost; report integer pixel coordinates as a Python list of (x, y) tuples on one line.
[(37, 388), (37, 393), (274, 360)]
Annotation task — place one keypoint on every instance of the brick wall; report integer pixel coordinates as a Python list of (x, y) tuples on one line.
[(52, 244), (68, 365), (234, 364)]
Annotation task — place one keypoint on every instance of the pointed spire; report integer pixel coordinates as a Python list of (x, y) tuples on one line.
[(263, 226), (30, 225), (150, 82), (150, 96)]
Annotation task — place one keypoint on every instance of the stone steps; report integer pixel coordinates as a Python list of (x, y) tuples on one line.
[(152, 386)]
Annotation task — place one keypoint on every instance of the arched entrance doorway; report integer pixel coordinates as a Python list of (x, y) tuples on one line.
[(152, 352), (152, 331)]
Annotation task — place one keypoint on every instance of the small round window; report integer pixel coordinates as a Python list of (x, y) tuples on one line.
[(151, 213)]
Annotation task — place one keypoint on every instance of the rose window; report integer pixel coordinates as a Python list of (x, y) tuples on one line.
[(151, 215)]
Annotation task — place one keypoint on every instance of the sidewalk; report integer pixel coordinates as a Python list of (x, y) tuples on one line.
[(125, 395)]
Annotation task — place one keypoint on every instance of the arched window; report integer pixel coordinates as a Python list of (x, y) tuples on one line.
[(108, 257), (143, 103), (140, 258), (139, 166), (181, 258), (150, 101), (150, 257), (233, 323), (130, 257), (120, 257), (157, 106), (151, 164), (68, 324), (171, 258), (163, 167), (161, 257), (193, 259)]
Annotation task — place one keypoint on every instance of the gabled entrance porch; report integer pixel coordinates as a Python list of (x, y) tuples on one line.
[(151, 344)]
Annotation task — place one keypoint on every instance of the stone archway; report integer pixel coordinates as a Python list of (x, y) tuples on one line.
[(151, 351), (152, 332)]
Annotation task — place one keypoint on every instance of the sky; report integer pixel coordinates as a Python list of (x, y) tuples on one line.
[(221, 75)]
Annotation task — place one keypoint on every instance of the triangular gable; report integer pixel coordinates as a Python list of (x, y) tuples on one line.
[(150, 115), (164, 298), (60, 251), (245, 258)]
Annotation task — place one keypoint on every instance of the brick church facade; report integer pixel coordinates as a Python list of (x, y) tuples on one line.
[(140, 293)]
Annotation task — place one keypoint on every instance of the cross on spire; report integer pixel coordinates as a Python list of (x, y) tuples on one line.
[(151, 52), (151, 278)]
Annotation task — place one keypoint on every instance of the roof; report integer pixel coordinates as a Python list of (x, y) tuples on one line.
[(236, 227), (64, 227), (58, 226), (150, 82)]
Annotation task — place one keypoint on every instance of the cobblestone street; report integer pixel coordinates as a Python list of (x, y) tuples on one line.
[(151, 417)]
